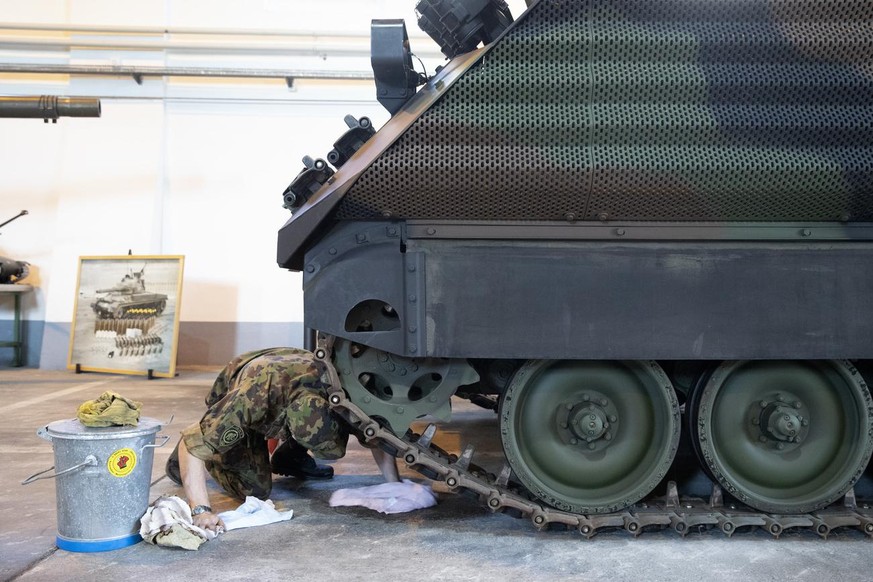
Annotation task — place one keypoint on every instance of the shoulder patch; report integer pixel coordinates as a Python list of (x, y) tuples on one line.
[(231, 435)]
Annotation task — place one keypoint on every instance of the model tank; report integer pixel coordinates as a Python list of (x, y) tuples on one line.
[(644, 228), (129, 299)]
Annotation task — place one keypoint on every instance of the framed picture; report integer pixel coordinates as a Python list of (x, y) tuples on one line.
[(126, 318)]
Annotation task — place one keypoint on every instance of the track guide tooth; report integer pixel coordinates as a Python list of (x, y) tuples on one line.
[(672, 500), (427, 436), (463, 461), (716, 499), (850, 501), (503, 478)]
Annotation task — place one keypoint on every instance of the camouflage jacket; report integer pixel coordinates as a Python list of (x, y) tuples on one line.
[(272, 393)]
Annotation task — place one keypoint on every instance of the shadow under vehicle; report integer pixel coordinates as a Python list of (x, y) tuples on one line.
[(642, 231)]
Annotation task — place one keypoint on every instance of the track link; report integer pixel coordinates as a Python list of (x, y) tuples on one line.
[(682, 515)]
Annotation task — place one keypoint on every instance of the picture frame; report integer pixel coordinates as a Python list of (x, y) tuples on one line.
[(126, 315)]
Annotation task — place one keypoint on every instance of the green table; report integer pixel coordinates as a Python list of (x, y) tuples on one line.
[(16, 290)]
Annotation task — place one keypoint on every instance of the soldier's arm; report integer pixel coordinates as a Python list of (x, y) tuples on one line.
[(387, 465), (194, 473)]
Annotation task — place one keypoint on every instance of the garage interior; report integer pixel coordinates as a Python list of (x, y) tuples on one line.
[(669, 273)]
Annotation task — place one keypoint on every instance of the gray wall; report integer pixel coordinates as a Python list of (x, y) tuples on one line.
[(32, 335)]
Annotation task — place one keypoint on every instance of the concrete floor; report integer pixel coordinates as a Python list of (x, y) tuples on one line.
[(456, 540)]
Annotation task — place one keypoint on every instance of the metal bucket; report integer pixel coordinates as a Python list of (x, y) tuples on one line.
[(103, 478)]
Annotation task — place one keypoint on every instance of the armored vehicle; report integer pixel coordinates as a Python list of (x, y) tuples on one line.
[(629, 223), (129, 299)]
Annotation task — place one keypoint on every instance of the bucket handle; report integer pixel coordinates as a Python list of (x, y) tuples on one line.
[(42, 432), (166, 437), (89, 461)]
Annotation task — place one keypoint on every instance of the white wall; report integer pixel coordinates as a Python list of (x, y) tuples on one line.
[(177, 165)]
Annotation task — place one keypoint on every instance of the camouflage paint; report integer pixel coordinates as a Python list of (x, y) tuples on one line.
[(654, 110)]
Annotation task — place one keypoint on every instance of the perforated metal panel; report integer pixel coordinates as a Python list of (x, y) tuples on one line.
[(676, 110)]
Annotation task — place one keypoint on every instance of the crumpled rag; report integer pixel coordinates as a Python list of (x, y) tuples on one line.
[(111, 409), (168, 522), (387, 497), (253, 512)]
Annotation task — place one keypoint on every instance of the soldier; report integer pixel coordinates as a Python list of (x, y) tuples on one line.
[(278, 393)]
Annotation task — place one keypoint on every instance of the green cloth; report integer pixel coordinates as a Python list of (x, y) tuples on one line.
[(176, 536), (110, 409)]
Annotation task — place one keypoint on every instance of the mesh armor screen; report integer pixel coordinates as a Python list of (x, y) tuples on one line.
[(676, 110)]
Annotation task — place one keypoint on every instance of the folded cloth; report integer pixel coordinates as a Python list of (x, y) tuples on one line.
[(110, 409), (387, 497), (253, 512), (168, 522)]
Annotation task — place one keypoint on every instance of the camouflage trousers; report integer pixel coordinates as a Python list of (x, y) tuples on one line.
[(242, 471), (274, 393)]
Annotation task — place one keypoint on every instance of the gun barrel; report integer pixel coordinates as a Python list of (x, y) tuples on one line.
[(49, 107), (17, 216)]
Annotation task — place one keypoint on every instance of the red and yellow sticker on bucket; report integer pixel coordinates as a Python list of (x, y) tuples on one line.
[(121, 462)]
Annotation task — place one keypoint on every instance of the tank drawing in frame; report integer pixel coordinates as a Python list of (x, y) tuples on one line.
[(126, 316)]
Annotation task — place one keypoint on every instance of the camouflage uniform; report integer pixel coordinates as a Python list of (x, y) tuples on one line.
[(275, 393)]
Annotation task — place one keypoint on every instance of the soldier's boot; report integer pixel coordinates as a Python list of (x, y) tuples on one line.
[(172, 468), (290, 459)]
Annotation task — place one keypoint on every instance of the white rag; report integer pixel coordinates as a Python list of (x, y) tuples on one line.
[(253, 512), (168, 522), (387, 497)]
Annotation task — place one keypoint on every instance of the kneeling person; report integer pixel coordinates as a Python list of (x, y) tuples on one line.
[(277, 393)]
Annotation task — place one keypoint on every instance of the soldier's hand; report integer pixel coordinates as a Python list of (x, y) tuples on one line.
[(208, 520)]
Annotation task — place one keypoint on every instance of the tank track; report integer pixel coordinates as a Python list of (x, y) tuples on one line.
[(682, 515)]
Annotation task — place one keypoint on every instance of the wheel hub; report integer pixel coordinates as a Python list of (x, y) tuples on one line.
[(589, 423), (780, 421)]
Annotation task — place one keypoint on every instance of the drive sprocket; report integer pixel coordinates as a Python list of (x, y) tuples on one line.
[(399, 389)]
